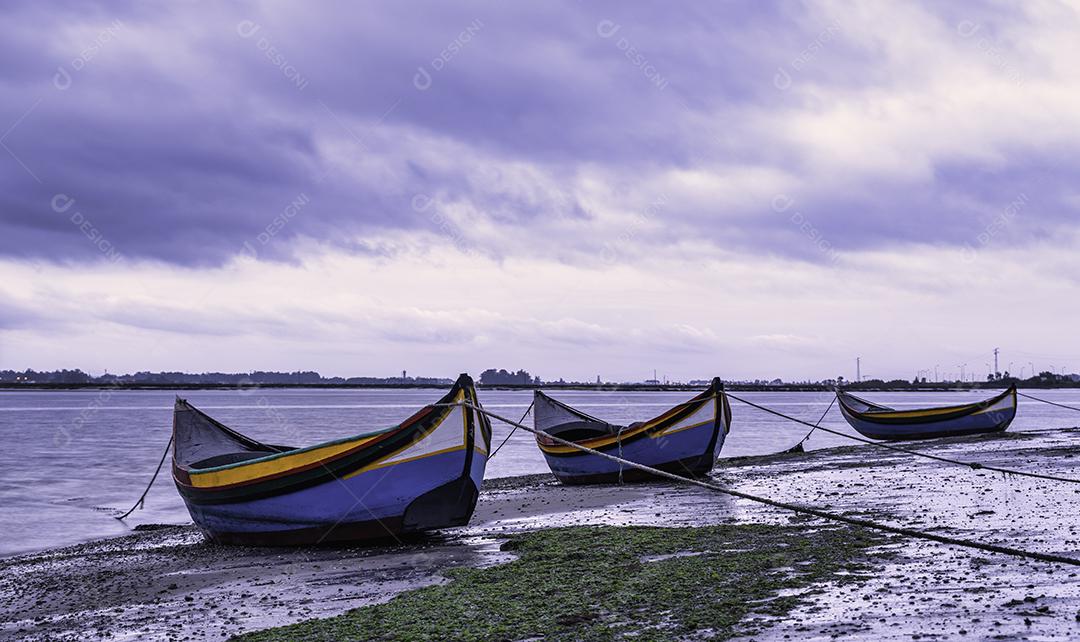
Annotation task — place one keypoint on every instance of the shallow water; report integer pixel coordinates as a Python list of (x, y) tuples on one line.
[(72, 459)]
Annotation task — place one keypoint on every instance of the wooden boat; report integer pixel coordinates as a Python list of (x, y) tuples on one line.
[(422, 474), (881, 422), (685, 440)]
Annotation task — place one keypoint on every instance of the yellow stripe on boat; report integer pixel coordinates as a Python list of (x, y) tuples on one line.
[(596, 443), (914, 414), (272, 465), (1002, 405), (601, 442), (682, 428), (383, 463), (284, 463)]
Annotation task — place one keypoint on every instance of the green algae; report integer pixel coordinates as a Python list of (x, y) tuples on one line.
[(608, 583)]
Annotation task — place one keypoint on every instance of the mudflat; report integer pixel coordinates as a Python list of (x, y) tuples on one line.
[(169, 583)]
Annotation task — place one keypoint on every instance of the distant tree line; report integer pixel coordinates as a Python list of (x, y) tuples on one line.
[(1045, 378), (489, 377), (309, 377), (493, 377)]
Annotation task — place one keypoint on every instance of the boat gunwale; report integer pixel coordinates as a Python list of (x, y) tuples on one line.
[(294, 451), (422, 412), (675, 413), (943, 409)]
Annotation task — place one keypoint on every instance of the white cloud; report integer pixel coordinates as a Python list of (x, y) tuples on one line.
[(440, 311)]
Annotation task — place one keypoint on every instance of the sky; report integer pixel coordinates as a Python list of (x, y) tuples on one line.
[(737, 189)]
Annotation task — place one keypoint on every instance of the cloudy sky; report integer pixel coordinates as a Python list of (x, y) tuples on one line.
[(739, 189)]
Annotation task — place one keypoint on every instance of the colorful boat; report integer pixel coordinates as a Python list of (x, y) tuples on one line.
[(685, 440), (422, 474), (882, 422)]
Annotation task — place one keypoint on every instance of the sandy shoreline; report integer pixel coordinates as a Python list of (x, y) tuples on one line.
[(169, 583)]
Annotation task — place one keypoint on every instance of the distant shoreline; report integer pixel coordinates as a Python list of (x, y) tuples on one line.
[(734, 387)]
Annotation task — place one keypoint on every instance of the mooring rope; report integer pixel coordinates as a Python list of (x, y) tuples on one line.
[(972, 465), (142, 498), (1052, 403), (798, 448), (805, 510), (496, 452), (817, 424)]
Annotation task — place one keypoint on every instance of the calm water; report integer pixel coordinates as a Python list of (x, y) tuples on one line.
[(70, 459)]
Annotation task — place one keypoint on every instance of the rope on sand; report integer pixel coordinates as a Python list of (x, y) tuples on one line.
[(804, 510), (142, 498), (972, 465)]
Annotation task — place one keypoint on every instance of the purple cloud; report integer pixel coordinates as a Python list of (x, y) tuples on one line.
[(190, 136)]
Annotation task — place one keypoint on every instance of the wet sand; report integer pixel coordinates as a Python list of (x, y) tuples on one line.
[(168, 583)]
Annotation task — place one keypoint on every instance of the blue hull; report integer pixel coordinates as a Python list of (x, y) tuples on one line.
[(425, 473), (683, 453), (955, 428), (380, 503), (879, 422), (685, 440)]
